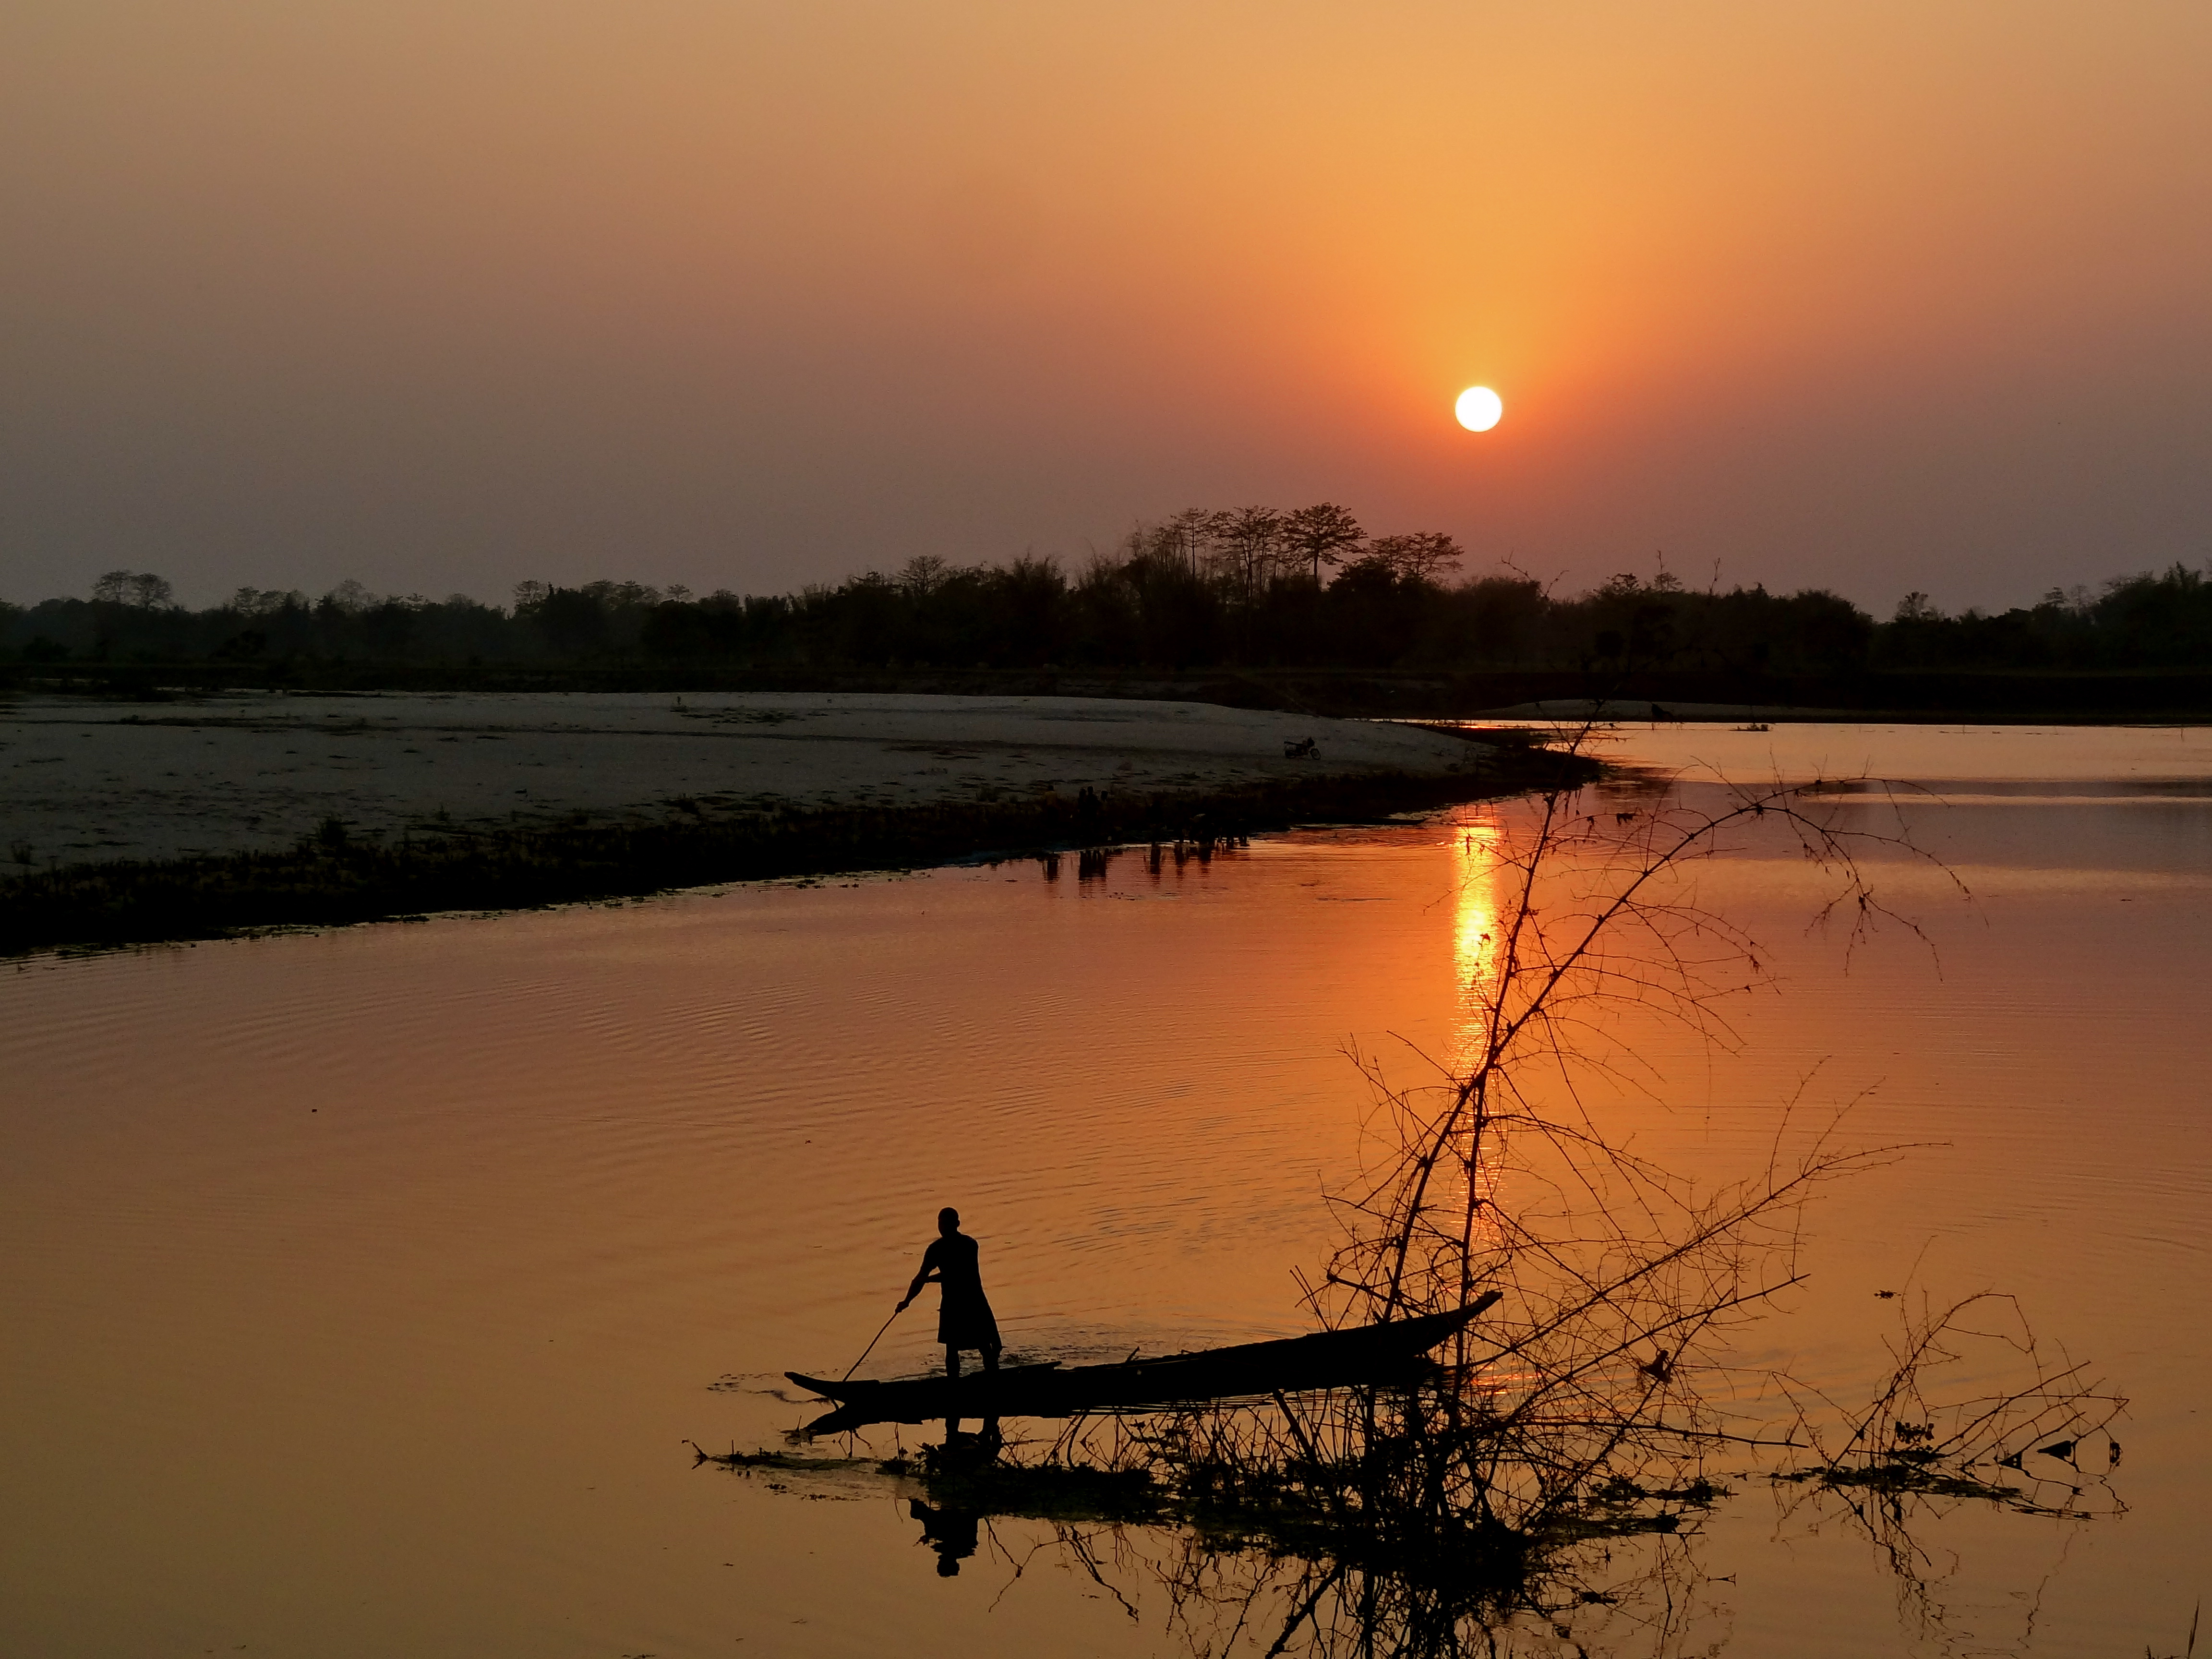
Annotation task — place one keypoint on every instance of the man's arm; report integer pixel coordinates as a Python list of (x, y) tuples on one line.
[(930, 1273)]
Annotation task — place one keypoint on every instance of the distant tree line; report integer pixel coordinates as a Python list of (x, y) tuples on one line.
[(1254, 588), (2146, 621)]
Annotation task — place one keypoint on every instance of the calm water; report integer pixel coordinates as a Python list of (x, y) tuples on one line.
[(360, 1292)]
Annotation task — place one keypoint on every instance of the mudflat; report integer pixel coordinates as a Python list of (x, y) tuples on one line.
[(201, 776)]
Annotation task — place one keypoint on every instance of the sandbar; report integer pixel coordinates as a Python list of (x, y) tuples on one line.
[(203, 775)]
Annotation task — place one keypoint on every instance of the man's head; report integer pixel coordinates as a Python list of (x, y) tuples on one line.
[(948, 1221)]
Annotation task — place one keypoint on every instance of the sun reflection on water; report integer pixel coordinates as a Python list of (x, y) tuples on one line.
[(1477, 896), (1481, 892)]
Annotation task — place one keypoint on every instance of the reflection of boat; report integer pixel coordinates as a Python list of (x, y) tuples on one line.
[(1391, 1352)]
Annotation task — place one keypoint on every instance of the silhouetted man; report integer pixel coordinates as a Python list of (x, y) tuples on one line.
[(963, 1313)]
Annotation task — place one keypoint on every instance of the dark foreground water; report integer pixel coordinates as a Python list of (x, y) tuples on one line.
[(359, 1293)]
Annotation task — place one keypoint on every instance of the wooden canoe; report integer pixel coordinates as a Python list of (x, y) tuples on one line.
[(1389, 1352)]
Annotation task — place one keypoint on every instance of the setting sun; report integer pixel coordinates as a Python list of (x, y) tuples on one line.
[(1478, 409)]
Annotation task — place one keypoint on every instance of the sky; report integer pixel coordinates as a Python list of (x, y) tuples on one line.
[(445, 297)]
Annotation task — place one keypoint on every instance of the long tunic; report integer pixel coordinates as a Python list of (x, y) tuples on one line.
[(963, 1313)]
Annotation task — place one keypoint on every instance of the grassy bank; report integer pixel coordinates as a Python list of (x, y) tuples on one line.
[(332, 878)]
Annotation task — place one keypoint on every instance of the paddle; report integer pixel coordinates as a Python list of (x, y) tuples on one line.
[(873, 1340)]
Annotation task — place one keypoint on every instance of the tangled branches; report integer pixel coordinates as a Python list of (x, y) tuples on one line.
[(1582, 1411), (1620, 1278)]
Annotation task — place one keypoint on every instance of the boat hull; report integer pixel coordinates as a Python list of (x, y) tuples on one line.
[(1393, 1350)]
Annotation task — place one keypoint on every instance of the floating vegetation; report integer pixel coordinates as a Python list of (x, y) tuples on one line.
[(2040, 1444)]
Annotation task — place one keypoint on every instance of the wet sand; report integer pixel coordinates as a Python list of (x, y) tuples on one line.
[(90, 782)]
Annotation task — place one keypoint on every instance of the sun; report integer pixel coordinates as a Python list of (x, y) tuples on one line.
[(1478, 409)]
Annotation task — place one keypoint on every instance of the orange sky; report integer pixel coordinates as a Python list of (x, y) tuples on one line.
[(443, 296)]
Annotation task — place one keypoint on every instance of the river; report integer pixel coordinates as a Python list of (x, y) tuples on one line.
[(362, 1291)]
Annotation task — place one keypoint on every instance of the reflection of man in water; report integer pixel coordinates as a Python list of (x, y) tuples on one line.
[(964, 1315), (950, 1533)]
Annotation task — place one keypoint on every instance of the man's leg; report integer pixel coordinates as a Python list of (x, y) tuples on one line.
[(991, 1437), (952, 1362)]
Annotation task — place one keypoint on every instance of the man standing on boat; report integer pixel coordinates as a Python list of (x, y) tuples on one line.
[(963, 1313)]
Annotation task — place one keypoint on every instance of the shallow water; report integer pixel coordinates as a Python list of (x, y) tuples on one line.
[(362, 1290)]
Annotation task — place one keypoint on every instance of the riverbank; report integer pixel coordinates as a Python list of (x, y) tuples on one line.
[(197, 818)]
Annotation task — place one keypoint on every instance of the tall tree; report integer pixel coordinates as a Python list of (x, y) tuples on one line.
[(922, 576), (145, 590), (1419, 556), (1324, 534), (1190, 534), (151, 592), (1249, 540)]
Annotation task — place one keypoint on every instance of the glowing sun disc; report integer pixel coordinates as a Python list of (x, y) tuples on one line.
[(1478, 407)]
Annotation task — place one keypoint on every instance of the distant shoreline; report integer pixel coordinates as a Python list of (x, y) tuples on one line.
[(1993, 696)]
